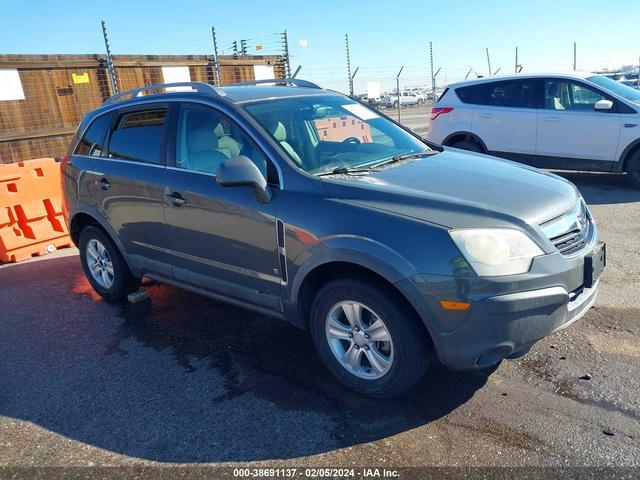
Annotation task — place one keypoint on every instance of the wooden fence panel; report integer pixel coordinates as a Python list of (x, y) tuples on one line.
[(60, 89)]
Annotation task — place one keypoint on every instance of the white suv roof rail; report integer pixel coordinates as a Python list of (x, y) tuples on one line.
[(199, 87)]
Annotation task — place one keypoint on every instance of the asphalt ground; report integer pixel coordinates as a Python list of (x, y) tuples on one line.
[(183, 379)]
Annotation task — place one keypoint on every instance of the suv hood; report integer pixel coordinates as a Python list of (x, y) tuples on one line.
[(458, 189)]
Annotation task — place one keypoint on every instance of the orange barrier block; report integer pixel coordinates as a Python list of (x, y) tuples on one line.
[(31, 222)]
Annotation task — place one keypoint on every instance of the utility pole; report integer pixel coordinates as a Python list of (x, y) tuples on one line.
[(287, 58), (235, 48), (398, 91), (574, 56), (346, 40), (112, 73), (433, 77), (243, 47), (516, 70), (638, 73), (216, 61), (489, 62)]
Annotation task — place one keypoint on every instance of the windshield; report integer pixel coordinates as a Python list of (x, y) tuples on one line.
[(327, 132), (618, 88)]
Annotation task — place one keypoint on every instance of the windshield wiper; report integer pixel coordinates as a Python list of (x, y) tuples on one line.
[(346, 171), (407, 156)]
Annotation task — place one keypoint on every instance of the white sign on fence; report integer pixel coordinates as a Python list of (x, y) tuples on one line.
[(176, 74), (10, 85), (263, 72)]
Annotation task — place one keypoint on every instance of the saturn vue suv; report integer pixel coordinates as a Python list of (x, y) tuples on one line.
[(305, 205)]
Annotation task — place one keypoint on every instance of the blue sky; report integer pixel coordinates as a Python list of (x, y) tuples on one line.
[(383, 35)]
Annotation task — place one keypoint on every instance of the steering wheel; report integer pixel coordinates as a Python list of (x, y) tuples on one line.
[(350, 141)]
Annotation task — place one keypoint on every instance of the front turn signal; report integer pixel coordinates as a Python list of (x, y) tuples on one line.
[(452, 305)]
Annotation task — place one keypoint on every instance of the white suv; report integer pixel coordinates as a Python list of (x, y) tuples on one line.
[(565, 121)]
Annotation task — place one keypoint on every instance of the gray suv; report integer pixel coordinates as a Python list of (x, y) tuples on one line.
[(306, 205)]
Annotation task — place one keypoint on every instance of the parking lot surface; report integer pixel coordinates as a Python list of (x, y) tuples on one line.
[(186, 379)]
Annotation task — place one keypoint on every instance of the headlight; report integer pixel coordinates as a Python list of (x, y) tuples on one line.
[(496, 251)]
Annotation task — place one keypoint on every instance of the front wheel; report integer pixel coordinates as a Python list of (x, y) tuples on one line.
[(104, 267), (633, 170), (367, 339), (395, 104)]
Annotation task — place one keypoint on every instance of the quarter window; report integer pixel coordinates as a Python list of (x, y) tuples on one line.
[(137, 136), (513, 93), (93, 140)]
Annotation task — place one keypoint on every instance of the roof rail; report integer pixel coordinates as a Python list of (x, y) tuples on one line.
[(199, 87), (279, 81)]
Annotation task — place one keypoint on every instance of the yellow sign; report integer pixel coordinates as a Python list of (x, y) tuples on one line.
[(80, 77), (258, 47)]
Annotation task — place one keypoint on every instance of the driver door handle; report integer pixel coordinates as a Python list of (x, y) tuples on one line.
[(104, 184), (176, 199)]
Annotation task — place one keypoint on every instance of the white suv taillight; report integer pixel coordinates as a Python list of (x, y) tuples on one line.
[(437, 111)]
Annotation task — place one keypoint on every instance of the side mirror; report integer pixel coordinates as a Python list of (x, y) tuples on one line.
[(603, 105), (240, 171)]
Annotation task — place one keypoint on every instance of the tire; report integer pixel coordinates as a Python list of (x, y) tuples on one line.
[(408, 353), (469, 145), (420, 101), (395, 104), (93, 241), (633, 170)]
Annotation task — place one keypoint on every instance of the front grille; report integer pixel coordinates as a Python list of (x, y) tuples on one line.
[(573, 232)]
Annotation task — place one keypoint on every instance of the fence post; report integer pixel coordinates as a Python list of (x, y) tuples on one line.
[(112, 73), (216, 61), (398, 91), (346, 39), (285, 49), (433, 77)]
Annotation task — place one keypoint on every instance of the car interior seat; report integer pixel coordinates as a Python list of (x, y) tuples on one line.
[(279, 132), (552, 98), (226, 143), (202, 149)]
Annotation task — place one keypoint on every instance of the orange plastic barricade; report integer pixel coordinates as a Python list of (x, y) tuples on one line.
[(31, 222)]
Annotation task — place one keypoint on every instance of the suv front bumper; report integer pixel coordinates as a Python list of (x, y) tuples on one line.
[(508, 314), (506, 325)]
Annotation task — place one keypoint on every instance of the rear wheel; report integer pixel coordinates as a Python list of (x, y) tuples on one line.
[(469, 145), (633, 170), (395, 104), (368, 340), (104, 267)]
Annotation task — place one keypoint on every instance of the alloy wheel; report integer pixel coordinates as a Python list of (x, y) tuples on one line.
[(100, 264), (359, 340)]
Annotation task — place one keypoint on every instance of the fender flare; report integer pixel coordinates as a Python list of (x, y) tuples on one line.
[(94, 213), (360, 251), (621, 164), (468, 134)]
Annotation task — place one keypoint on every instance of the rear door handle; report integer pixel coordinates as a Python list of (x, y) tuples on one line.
[(486, 115), (104, 184), (552, 119), (176, 199)]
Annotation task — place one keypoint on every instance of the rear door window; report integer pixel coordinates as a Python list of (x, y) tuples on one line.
[(137, 135), (511, 93), (93, 140)]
